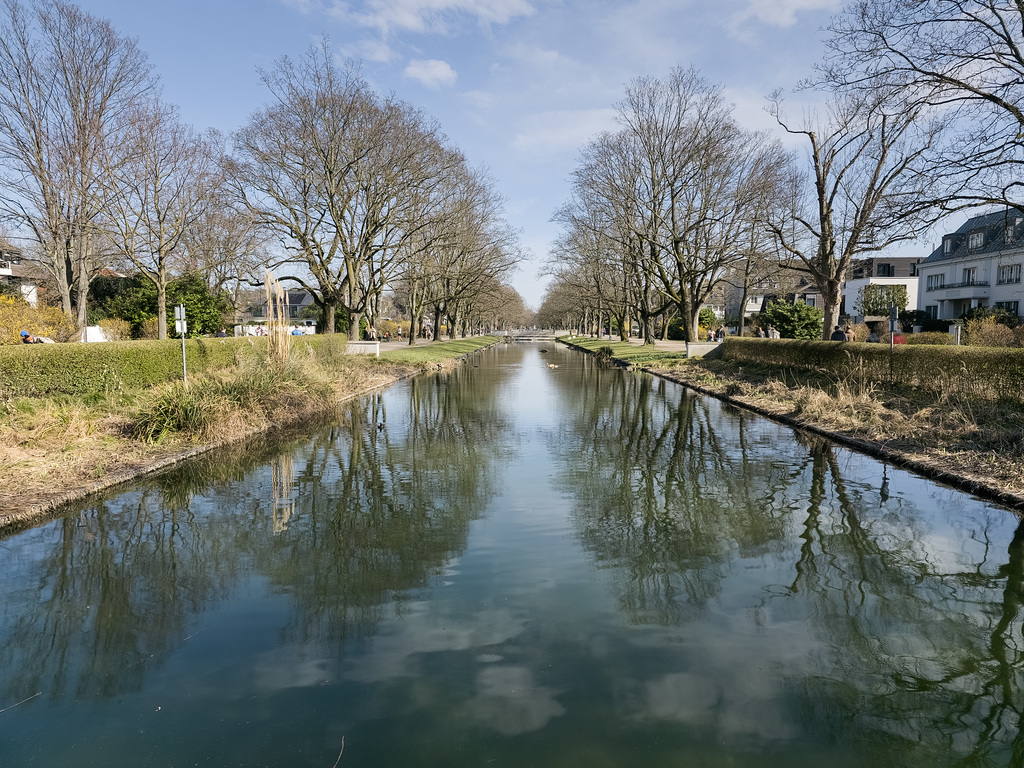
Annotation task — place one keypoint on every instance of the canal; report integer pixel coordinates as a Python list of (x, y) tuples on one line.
[(531, 560)]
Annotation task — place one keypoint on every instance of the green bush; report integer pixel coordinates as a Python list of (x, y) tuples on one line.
[(46, 369), (793, 321), (989, 373), (934, 338)]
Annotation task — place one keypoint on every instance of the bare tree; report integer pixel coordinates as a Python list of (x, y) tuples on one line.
[(677, 190), (156, 188), (68, 83), (339, 175), (870, 186), (964, 58)]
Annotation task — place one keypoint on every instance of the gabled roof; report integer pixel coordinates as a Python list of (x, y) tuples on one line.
[(994, 225)]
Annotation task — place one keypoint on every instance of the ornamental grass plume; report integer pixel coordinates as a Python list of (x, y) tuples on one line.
[(277, 320)]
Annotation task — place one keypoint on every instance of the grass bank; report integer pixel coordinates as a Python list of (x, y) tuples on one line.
[(55, 450), (974, 443)]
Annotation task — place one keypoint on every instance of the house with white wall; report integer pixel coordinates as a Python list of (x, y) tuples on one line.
[(879, 270), (13, 272), (978, 265)]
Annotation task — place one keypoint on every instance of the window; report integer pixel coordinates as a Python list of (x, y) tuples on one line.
[(1011, 307), (947, 246), (970, 275), (1008, 273), (936, 281), (976, 241), (1009, 233), (885, 270), (913, 270), (932, 310)]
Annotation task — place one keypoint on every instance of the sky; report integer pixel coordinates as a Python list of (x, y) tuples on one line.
[(519, 86)]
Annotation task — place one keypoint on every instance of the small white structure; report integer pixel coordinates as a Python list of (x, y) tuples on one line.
[(92, 333), (363, 348)]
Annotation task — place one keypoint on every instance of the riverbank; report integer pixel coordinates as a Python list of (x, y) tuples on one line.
[(972, 444), (57, 451)]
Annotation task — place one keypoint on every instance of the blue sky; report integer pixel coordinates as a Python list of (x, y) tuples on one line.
[(518, 85)]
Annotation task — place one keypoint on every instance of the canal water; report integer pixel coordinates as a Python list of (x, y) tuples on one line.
[(532, 560)]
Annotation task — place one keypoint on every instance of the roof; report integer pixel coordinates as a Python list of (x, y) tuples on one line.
[(995, 226)]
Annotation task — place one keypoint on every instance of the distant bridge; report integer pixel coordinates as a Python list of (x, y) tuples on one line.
[(523, 334)]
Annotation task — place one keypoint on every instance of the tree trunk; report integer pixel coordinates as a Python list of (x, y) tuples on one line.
[(161, 308)]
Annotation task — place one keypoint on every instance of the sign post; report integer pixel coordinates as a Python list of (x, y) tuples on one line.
[(894, 319), (181, 328)]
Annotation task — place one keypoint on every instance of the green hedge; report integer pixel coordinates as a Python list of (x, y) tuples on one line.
[(74, 369), (981, 371)]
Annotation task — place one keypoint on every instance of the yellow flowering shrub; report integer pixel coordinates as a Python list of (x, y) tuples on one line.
[(16, 316)]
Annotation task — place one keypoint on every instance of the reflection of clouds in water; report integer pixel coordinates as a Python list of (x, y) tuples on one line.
[(745, 709), (281, 669), (509, 701), (416, 632), (734, 692)]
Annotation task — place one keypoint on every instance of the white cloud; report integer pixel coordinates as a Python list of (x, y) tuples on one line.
[(436, 16), (432, 73), (783, 13), (370, 50)]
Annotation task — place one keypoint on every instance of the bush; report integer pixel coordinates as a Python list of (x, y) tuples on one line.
[(793, 321), (988, 373), (16, 315), (115, 329), (988, 332), (933, 338), (73, 369)]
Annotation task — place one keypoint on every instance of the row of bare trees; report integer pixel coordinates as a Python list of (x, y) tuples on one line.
[(921, 114), (340, 190)]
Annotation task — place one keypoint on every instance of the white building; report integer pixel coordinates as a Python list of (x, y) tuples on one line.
[(979, 265), (13, 272), (879, 270)]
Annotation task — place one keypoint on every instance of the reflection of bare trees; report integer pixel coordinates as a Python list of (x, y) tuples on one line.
[(925, 644), (343, 523), (387, 502), (662, 499), (113, 593), (919, 627)]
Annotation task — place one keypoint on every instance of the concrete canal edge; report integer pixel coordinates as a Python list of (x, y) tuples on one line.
[(54, 504), (896, 458)]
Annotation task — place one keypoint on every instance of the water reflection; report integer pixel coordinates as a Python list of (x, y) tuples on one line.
[(520, 564), (343, 523), (914, 634)]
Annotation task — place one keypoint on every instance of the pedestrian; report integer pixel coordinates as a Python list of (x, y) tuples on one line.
[(838, 334), (760, 332), (222, 333), (28, 338)]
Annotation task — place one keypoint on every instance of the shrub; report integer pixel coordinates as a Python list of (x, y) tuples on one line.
[(988, 332), (17, 315), (149, 329), (933, 338), (115, 329), (43, 369), (794, 321), (973, 371)]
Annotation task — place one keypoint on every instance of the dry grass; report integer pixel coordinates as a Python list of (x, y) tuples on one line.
[(54, 447)]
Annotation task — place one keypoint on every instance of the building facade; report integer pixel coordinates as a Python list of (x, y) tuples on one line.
[(979, 265), (878, 270)]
